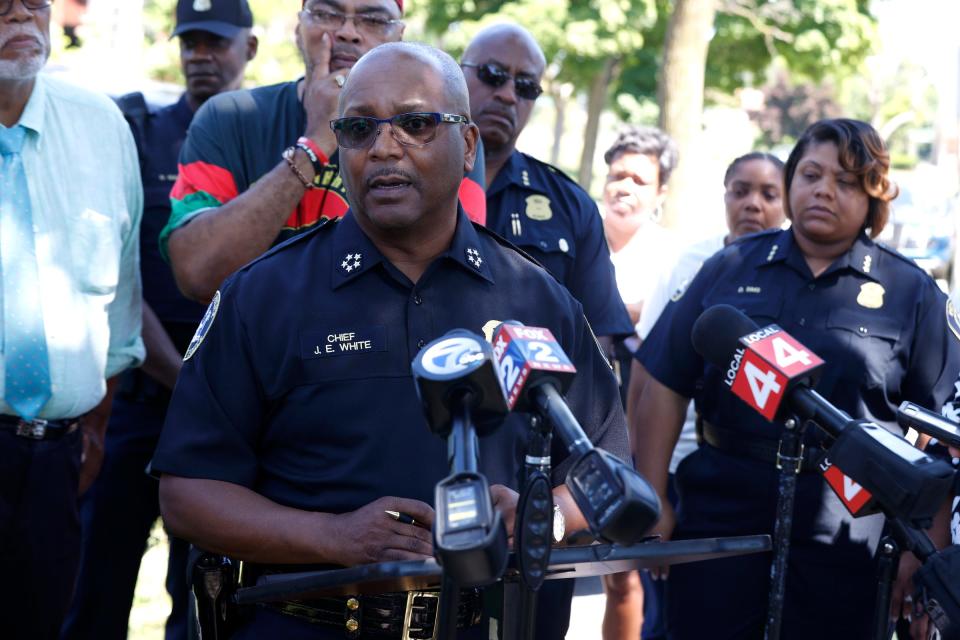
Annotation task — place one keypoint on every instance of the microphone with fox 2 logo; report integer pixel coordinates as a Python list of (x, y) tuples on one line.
[(618, 504), (868, 467)]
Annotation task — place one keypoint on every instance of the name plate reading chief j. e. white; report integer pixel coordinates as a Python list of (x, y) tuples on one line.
[(340, 342)]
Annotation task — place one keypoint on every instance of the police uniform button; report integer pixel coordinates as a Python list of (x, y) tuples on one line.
[(421, 344), (417, 299), (353, 604), (352, 625), (811, 286)]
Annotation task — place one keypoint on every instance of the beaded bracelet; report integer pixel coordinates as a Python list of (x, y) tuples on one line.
[(314, 160), (288, 156)]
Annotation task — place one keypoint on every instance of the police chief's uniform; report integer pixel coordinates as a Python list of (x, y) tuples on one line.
[(119, 510), (886, 334), (298, 382), (545, 213)]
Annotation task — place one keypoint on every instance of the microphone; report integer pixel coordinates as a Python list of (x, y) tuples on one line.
[(456, 381), (867, 466), (911, 416), (455, 369), (766, 363), (535, 373), (618, 504)]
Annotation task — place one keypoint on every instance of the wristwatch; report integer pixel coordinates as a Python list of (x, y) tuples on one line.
[(559, 524)]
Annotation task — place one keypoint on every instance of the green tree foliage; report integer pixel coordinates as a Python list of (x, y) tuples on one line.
[(790, 108), (813, 39), (579, 36)]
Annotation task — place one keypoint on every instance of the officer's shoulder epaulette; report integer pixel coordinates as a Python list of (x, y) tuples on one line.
[(506, 244), (324, 226), (755, 237), (133, 105), (896, 254), (548, 170)]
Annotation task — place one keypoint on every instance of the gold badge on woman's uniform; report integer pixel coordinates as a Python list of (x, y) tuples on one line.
[(538, 208), (871, 295)]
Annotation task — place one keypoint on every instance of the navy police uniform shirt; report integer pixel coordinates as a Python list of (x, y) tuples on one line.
[(159, 141), (545, 213), (886, 333), (298, 384)]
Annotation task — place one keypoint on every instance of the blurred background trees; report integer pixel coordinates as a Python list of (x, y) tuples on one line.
[(721, 76)]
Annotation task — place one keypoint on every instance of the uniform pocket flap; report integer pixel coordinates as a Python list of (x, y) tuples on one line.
[(865, 324)]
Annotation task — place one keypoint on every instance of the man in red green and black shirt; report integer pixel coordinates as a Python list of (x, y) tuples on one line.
[(236, 196)]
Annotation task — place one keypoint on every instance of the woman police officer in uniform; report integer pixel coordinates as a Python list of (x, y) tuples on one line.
[(880, 324)]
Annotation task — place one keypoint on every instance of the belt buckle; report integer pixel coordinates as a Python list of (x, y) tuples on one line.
[(33, 429), (408, 614), (799, 459)]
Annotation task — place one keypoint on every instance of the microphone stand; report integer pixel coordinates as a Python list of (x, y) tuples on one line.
[(902, 537), (789, 459), (888, 561), (464, 453), (533, 527)]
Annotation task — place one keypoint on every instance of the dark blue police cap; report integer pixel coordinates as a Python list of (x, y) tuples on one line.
[(223, 17)]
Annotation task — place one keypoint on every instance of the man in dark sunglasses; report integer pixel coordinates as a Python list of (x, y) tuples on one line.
[(538, 208), (295, 428), (529, 202)]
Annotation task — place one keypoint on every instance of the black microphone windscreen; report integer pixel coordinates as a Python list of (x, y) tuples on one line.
[(716, 333)]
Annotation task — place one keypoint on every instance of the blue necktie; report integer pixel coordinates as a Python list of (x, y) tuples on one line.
[(27, 380)]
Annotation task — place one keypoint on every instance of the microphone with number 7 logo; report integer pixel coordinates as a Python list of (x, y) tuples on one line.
[(618, 504), (876, 464)]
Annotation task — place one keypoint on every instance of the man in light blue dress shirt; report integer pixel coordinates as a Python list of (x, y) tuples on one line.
[(70, 207)]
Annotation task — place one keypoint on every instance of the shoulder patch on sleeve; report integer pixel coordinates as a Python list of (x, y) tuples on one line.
[(204, 327), (953, 319)]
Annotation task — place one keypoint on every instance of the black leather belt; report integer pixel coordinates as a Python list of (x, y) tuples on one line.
[(38, 429), (403, 616), (762, 449)]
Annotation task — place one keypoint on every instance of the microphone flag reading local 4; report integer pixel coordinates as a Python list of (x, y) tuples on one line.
[(867, 466), (618, 504), (458, 385)]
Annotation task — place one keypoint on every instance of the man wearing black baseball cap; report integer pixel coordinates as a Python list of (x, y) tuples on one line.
[(119, 510), (225, 19), (215, 46)]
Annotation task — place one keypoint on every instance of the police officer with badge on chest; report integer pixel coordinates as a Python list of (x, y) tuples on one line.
[(530, 203), (887, 335), (295, 424)]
